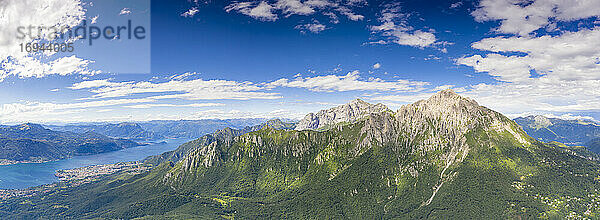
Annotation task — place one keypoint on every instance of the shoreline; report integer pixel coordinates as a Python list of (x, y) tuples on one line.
[(58, 182), (4, 162), (78, 176)]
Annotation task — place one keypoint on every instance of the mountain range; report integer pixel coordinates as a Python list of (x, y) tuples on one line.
[(594, 145), (34, 143), (127, 130), (445, 157), (569, 132), (159, 129)]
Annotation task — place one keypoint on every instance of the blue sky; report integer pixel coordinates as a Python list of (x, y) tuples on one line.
[(285, 58)]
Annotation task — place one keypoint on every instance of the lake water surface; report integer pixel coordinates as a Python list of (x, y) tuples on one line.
[(21, 176)]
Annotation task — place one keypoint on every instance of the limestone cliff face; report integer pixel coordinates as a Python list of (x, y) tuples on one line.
[(439, 126), (351, 112), (435, 132), (433, 124), (207, 156)]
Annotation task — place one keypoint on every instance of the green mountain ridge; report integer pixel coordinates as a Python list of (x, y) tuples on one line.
[(225, 135), (441, 158)]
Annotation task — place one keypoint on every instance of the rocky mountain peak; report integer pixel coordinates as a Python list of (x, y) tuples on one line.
[(448, 108), (448, 97), (350, 112), (439, 124), (358, 102), (30, 126), (278, 124), (442, 120), (541, 122), (128, 124)]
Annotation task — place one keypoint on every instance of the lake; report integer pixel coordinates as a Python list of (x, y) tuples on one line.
[(21, 176)]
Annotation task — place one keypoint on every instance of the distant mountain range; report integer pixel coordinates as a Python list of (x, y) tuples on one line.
[(196, 128), (446, 157), (34, 143), (594, 145), (569, 132), (162, 129), (127, 130)]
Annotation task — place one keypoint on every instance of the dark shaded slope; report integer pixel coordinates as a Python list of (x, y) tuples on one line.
[(594, 145)]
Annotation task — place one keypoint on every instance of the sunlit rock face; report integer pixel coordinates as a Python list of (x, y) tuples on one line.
[(351, 112)]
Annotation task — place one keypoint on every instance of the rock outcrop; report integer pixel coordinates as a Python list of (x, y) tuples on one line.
[(349, 113)]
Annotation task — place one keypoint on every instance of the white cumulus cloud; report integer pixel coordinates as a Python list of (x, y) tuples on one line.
[(524, 17), (191, 12), (314, 27), (394, 28), (348, 82), (197, 89), (16, 16), (125, 11), (537, 72), (262, 11), (271, 10), (195, 105)]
